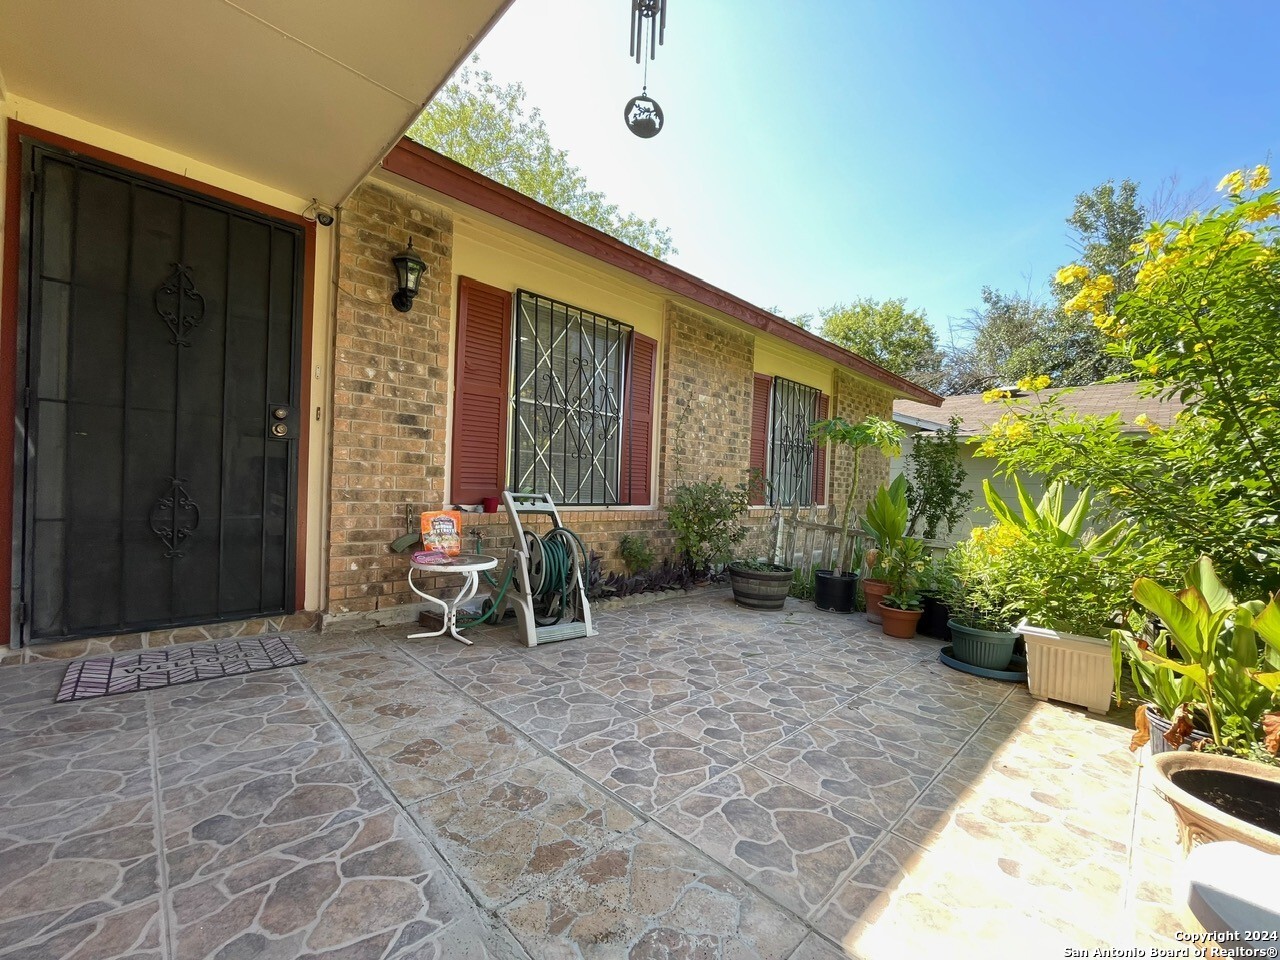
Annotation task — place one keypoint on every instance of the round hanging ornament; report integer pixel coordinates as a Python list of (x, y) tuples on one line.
[(643, 116)]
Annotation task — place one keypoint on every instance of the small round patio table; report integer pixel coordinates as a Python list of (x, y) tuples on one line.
[(469, 565)]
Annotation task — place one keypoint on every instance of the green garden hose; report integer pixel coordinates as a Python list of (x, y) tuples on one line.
[(557, 555)]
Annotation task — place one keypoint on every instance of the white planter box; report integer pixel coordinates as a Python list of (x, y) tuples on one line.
[(1068, 667)]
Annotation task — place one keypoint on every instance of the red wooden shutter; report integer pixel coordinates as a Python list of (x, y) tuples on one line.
[(820, 456), (481, 384), (760, 437), (637, 459)]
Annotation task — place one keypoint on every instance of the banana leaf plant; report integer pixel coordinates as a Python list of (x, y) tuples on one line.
[(1229, 652)]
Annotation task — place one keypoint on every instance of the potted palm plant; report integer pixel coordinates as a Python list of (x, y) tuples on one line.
[(900, 609), (885, 519), (834, 589), (1072, 587)]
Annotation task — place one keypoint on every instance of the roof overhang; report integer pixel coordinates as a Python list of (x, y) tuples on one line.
[(427, 168), (301, 96)]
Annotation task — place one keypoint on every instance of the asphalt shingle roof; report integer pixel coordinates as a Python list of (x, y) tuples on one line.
[(1099, 399)]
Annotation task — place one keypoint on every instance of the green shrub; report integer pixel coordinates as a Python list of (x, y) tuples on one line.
[(802, 585), (936, 476), (635, 552), (707, 518)]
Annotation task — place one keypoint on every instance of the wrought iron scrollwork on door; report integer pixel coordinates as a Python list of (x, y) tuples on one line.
[(179, 304), (174, 517)]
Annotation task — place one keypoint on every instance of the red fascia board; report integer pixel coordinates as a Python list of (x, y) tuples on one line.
[(433, 170)]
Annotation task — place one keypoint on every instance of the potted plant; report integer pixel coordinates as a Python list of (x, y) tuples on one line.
[(1220, 798), (886, 518), (834, 589), (981, 623), (760, 584), (1166, 718), (933, 605), (900, 610), (1217, 662), (1072, 587)]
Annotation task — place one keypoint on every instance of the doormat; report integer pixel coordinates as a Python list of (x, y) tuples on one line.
[(171, 666)]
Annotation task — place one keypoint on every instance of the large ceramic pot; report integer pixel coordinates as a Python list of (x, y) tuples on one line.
[(934, 617), (760, 589), (898, 623), (874, 591), (1220, 798), (1068, 667), (834, 591), (1160, 726), (989, 649)]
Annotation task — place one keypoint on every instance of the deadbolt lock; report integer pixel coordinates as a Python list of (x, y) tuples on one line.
[(279, 429), (280, 413)]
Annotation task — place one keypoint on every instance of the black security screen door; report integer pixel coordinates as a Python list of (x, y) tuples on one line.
[(162, 383)]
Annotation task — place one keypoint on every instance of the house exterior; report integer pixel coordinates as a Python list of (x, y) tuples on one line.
[(976, 418), (219, 421)]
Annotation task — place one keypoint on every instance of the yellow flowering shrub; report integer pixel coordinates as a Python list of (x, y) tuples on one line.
[(1200, 324), (1072, 273), (1233, 183)]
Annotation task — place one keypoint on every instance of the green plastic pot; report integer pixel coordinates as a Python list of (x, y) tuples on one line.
[(989, 649)]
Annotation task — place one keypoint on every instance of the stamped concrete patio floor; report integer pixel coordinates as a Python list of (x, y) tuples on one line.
[(697, 781)]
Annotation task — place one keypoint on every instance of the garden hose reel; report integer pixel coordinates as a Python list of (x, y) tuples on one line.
[(547, 584)]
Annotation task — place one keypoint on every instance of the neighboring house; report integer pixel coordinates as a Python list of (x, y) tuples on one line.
[(219, 417), (976, 417)]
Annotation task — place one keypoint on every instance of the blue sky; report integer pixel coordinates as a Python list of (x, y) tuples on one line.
[(821, 151)]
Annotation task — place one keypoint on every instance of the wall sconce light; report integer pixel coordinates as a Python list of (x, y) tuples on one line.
[(409, 269)]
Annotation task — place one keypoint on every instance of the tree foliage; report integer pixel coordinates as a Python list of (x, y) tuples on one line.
[(887, 333), (1015, 335), (486, 126), (1104, 223), (935, 482), (1012, 336)]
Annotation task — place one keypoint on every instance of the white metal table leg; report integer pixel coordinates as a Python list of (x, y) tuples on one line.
[(448, 608)]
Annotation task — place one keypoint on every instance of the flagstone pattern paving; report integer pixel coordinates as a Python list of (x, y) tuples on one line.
[(697, 781)]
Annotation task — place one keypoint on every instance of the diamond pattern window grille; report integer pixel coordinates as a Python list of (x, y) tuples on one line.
[(570, 382), (793, 410)]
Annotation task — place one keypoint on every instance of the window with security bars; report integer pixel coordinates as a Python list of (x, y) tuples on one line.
[(793, 410), (570, 383)]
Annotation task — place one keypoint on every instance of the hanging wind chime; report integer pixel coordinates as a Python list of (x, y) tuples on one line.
[(642, 114)]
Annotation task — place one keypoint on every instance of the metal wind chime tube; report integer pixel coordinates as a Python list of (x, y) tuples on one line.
[(642, 114), (655, 11)]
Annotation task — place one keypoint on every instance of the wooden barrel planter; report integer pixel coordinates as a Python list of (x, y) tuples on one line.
[(760, 589)]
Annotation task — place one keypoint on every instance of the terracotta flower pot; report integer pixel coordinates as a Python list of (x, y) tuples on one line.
[(874, 591), (898, 623)]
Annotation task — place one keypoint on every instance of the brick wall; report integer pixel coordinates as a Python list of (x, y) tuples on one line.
[(391, 400), (706, 389), (390, 392)]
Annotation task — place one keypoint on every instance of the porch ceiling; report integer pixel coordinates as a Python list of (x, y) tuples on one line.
[(302, 96)]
